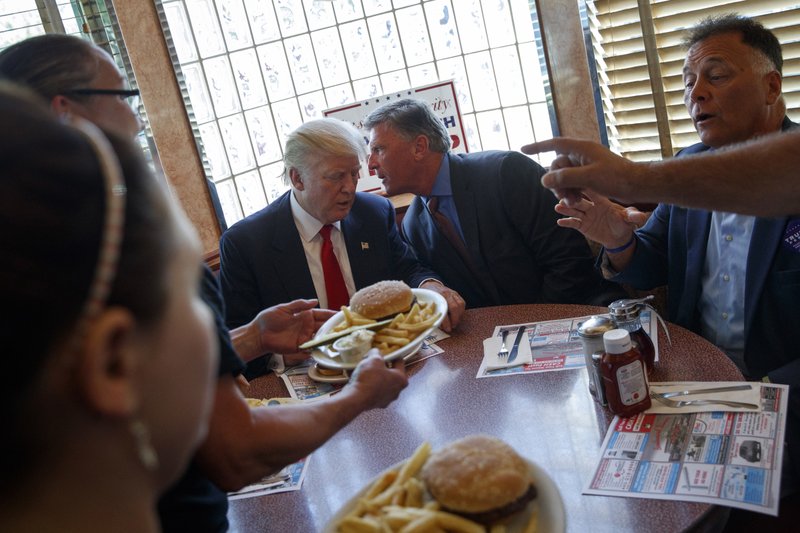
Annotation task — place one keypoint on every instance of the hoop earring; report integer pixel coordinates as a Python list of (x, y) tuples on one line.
[(144, 445)]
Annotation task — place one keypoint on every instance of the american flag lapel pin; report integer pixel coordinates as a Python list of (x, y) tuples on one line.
[(364, 245)]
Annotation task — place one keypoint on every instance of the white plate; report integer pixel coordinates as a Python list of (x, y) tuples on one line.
[(552, 516), (327, 356), (314, 374)]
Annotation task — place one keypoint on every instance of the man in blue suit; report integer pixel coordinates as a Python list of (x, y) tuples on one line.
[(273, 256), (734, 279), (482, 220)]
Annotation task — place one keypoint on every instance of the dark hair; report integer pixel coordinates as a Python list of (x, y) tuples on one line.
[(411, 118), (753, 33), (52, 210), (51, 64)]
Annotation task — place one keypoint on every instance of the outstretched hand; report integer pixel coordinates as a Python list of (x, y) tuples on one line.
[(599, 219), (585, 165), (282, 328)]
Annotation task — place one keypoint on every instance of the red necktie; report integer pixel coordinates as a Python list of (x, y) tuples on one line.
[(334, 281), (448, 229)]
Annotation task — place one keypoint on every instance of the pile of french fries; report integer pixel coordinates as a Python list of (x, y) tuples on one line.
[(398, 502), (402, 330)]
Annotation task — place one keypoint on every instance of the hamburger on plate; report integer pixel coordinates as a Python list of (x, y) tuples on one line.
[(480, 478), (382, 300)]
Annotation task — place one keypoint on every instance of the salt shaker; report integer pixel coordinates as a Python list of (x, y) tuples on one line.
[(591, 334), (625, 314)]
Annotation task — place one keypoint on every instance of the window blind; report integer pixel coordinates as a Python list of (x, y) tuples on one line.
[(619, 35)]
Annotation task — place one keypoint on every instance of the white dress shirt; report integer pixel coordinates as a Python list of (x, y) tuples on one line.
[(308, 227)]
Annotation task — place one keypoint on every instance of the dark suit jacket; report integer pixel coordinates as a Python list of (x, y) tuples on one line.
[(519, 253), (263, 262), (671, 250)]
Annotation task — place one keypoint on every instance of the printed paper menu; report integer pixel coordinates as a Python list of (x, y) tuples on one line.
[(722, 458), (290, 478), (555, 345)]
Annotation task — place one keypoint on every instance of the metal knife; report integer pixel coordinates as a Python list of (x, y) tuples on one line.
[(703, 391), (515, 348)]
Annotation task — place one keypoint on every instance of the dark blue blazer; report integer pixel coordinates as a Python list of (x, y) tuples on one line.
[(263, 262), (671, 250), (519, 253)]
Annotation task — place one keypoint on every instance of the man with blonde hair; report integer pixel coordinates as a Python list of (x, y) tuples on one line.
[(282, 252)]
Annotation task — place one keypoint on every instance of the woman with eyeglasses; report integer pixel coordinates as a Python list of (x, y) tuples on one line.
[(101, 312), (77, 78)]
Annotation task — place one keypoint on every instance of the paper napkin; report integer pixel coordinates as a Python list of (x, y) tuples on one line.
[(492, 345), (749, 396)]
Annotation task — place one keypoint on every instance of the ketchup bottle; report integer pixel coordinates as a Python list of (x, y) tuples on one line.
[(623, 372), (625, 314)]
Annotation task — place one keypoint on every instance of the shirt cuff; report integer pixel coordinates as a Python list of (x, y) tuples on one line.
[(424, 281)]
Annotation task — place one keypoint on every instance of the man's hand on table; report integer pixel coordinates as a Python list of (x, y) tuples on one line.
[(455, 303), (378, 384)]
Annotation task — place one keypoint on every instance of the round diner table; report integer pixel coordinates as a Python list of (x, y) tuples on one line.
[(549, 418)]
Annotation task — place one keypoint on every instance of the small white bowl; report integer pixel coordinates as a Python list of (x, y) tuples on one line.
[(353, 347)]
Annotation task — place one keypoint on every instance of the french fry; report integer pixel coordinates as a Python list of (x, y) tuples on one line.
[(383, 348), (395, 332), (414, 463), (421, 524), (533, 522), (419, 326), (414, 492), (432, 505), (385, 497), (380, 485), (388, 339), (355, 524), (451, 522), (353, 319), (412, 315), (399, 497), (396, 519)]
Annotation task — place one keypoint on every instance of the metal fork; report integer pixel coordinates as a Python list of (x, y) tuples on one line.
[(503, 350), (685, 403)]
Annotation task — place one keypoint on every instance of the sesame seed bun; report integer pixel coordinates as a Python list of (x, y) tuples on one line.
[(479, 477), (382, 299)]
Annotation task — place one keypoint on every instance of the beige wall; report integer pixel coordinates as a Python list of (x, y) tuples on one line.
[(170, 125), (564, 52)]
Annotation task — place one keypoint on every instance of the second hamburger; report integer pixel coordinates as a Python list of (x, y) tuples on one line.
[(480, 478)]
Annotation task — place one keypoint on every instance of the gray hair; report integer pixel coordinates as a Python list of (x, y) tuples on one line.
[(753, 33), (51, 64), (319, 138), (411, 118)]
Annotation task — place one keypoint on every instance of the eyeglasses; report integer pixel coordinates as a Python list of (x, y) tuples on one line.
[(132, 95)]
